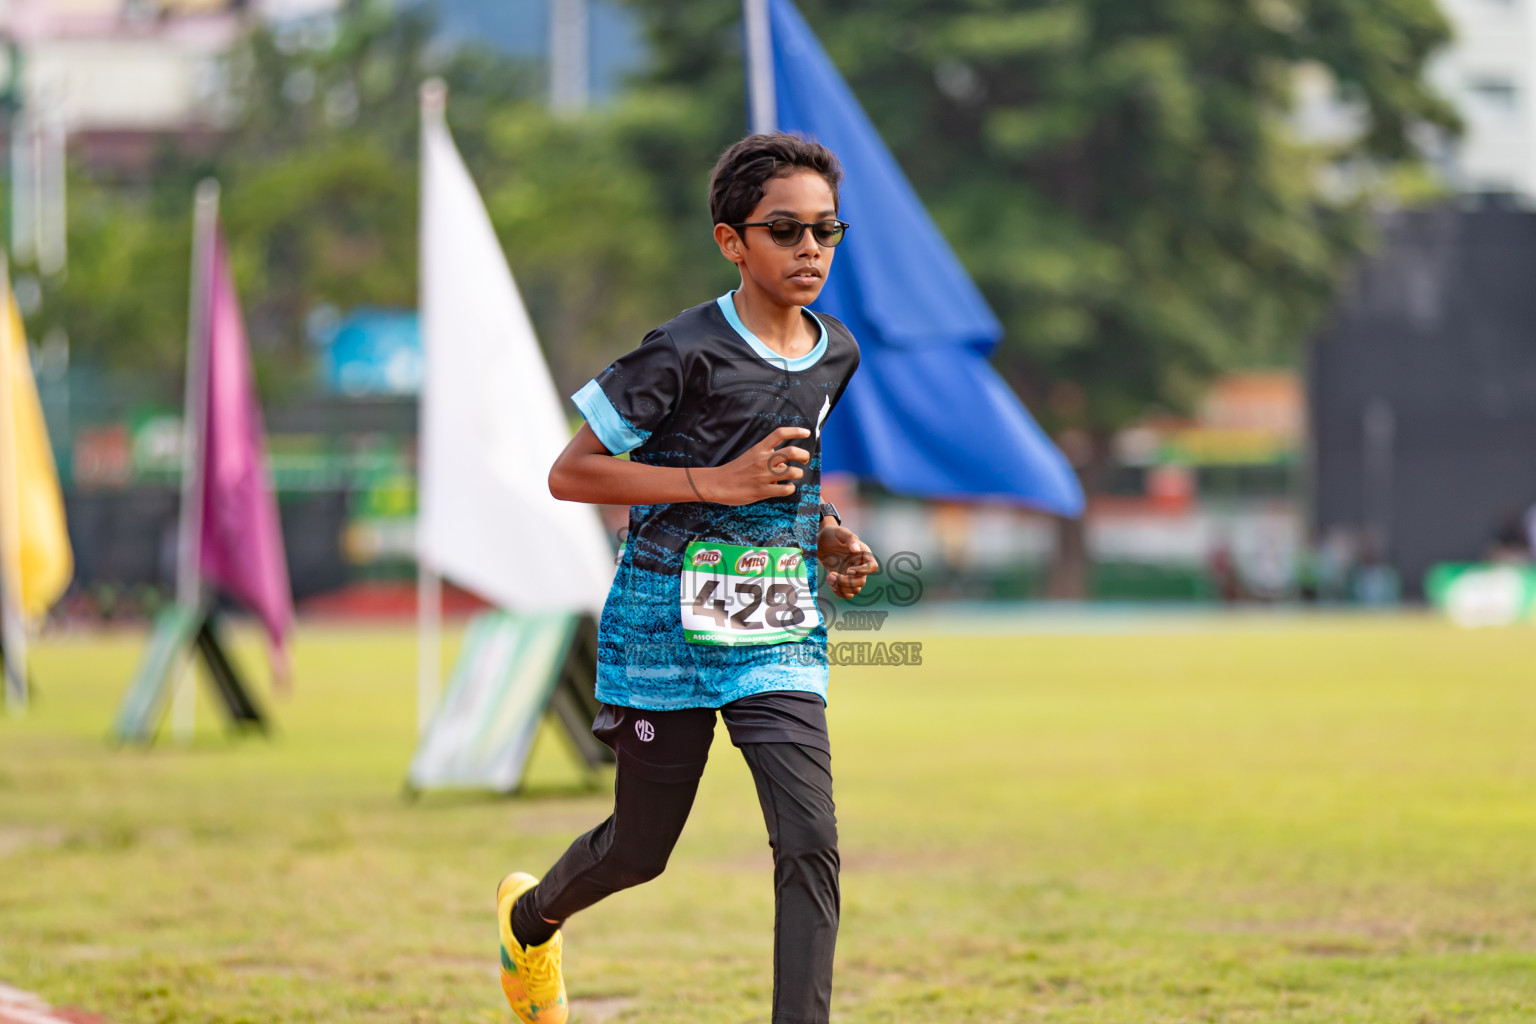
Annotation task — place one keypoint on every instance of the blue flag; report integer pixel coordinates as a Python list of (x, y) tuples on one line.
[(926, 414)]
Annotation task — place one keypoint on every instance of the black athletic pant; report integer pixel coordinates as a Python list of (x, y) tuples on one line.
[(661, 757)]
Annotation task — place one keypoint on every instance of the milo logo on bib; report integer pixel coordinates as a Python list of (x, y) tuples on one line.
[(730, 594), (751, 563)]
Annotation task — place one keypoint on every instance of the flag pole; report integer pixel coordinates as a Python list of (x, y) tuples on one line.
[(570, 37), (13, 630), (429, 586), (189, 583), (762, 103), (429, 643)]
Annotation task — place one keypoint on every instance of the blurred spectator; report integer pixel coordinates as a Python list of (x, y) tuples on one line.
[(1510, 543), (1308, 571), (1375, 582), (1335, 561), (1223, 570), (1267, 572)]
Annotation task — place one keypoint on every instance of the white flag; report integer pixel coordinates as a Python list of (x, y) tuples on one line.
[(491, 422)]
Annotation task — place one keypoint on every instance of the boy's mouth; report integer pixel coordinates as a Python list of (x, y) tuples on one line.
[(805, 272)]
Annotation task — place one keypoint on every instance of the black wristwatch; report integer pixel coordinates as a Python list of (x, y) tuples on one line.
[(829, 509)]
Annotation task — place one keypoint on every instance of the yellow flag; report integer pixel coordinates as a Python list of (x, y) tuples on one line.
[(33, 538)]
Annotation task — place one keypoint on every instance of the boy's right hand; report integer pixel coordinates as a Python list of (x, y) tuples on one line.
[(762, 471)]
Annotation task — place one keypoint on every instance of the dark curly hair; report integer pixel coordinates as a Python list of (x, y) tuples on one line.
[(736, 185)]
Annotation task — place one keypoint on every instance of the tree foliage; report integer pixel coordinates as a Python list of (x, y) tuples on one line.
[(1119, 176), (123, 303), (319, 175), (318, 196)]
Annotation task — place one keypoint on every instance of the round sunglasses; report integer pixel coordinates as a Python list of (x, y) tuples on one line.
[(788, 231)]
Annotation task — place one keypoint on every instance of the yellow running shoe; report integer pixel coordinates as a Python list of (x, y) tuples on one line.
[(529, 976)]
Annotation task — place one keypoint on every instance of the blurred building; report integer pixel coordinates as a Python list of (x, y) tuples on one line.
[(120, 74), (1489, 74), (589, 46), (1423, 395), (1422, 387), (117, 75)]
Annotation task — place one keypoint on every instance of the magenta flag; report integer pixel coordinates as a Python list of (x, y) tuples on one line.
[(241, 551)]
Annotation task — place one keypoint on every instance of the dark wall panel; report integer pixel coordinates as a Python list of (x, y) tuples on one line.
[(128, 538), (1423, 389)]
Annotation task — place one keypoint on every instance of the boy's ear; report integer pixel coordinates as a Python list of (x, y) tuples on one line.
[(730, 242)]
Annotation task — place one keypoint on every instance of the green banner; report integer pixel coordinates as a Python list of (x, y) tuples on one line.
[(1483, 594), (502, 683), (143, 706)]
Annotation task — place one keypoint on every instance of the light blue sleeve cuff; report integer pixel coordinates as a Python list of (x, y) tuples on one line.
[(611, 429)]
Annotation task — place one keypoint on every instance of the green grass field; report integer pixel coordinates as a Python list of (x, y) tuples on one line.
[(1300, 820)]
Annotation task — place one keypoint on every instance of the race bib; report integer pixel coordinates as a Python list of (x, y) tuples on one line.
[(730, 594)]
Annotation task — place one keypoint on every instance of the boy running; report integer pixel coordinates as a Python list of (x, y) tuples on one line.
[(712, 607)]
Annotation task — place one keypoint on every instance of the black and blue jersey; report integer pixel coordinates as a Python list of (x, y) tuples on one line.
[(699, 391)]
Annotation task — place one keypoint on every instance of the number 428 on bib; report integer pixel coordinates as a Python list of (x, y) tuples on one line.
[(734, 595)]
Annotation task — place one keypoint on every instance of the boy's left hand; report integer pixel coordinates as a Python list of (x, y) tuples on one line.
[(848, 559)]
